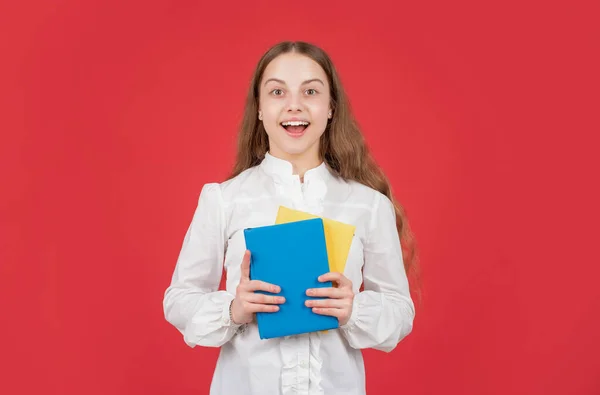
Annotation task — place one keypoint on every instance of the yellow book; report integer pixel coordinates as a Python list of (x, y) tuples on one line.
[(338, 235)]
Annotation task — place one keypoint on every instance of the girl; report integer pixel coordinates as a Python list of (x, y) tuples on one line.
[(298, 147)]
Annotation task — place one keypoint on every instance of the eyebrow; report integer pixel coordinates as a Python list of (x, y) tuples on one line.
[(304, 83)]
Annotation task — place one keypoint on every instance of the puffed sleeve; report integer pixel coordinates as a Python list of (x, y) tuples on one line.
[(383, 313), (192, 302)]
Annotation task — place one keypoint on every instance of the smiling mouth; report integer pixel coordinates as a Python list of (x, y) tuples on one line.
[(295, 127)]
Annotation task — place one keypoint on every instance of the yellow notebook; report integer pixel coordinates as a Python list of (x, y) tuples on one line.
[(338, 235)]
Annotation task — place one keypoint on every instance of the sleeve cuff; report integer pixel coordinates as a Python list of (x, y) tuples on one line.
[(227, 321), (226, 314)]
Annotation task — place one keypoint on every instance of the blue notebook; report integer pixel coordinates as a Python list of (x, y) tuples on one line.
[(292, 255)]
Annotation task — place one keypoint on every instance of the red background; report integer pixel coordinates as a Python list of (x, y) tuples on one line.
[(115, 113)]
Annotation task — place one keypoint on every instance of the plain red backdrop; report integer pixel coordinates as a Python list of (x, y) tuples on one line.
[(114, 114)]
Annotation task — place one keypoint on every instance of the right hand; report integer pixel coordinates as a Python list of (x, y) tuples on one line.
[(247, 302)]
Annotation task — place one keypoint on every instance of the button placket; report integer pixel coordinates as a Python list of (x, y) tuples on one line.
[(303, 371)]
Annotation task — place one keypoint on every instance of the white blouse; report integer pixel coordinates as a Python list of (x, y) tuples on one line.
[(317, 363)]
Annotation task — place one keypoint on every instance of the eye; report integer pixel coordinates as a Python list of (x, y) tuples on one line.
[(274, 91), (312, 90)]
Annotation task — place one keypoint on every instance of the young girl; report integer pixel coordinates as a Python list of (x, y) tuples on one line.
[(298, 147)]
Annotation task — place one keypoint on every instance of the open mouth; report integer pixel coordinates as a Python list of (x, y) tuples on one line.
[(295, 127)]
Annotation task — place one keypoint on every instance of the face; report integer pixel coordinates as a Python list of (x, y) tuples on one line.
[(294, 106)]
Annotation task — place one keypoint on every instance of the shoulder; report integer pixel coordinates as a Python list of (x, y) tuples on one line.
[(361, 194), (225, 192)]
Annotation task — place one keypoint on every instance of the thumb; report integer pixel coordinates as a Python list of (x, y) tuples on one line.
[(245, 268)]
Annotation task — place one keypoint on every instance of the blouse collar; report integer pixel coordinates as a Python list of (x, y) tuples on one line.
[(282, 170)]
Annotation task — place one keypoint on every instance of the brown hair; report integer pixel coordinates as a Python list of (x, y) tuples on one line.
[(342, 145)]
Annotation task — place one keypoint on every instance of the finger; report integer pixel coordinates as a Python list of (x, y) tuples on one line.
[(264, 299), (336, 277), (329, 311), (245, 268), (329, 292), (261, 308), (327, 303), (257, 285)]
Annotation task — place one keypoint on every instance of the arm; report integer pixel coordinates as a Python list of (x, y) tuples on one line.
[(192, 302), (382, 315)]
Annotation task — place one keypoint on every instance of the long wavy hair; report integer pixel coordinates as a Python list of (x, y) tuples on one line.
[(342, 145)]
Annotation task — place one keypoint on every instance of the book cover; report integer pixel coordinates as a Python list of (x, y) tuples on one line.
[(292, 256), (338, 235)]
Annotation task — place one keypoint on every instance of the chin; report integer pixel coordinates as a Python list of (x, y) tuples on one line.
[(293, 145)]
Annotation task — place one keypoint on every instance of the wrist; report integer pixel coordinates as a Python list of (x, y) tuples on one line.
[(353, 317), (231, 317)]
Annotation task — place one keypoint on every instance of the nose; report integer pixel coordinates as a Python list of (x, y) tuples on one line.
[(294, 103)]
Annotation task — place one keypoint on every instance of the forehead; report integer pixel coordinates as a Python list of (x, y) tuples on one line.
[(294, 68)]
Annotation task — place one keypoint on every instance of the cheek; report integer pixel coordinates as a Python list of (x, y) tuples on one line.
[(271, 112), (271, 128), (271, 123), (319, 114), (319, 108), (268, 105)]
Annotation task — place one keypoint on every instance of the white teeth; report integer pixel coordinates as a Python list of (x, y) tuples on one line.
[(295, 123)]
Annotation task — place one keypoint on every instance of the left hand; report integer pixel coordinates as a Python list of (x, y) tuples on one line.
[(340, 298)]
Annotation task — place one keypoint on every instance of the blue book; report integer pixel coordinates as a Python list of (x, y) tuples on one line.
[(291, 255)]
